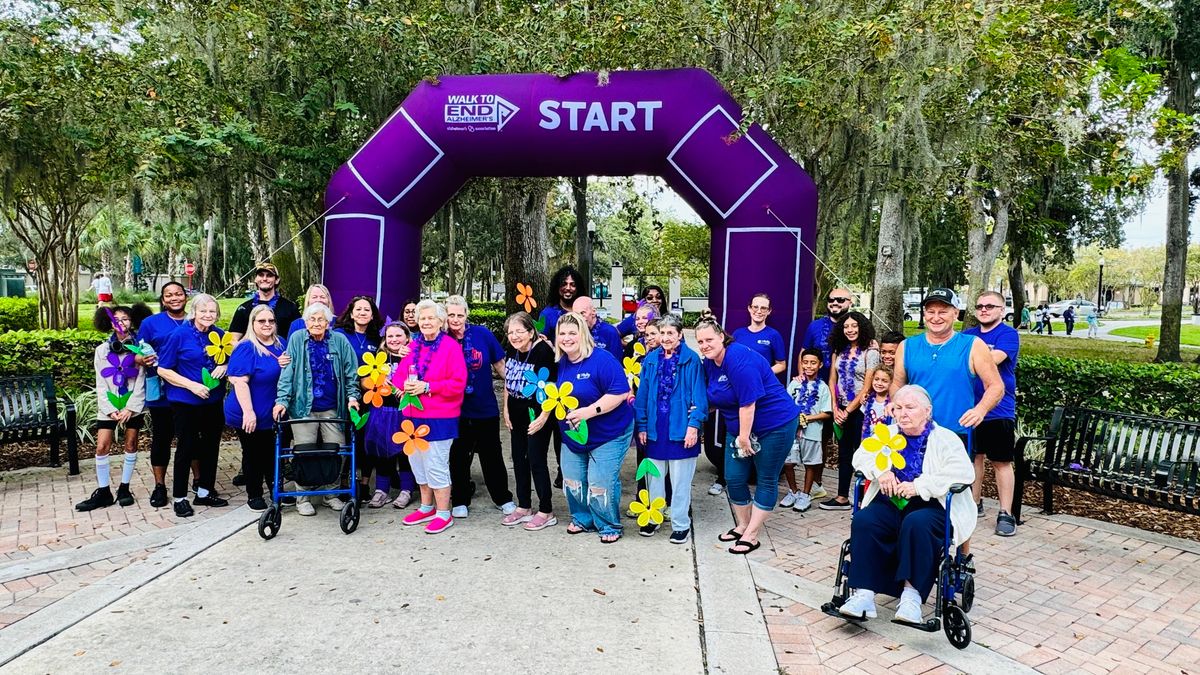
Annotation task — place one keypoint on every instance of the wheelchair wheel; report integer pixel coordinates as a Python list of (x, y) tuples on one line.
[(956, 626), (268, 522), (350, 516), (967, 599)]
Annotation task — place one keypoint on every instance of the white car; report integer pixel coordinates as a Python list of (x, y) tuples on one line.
[(1083, 308)]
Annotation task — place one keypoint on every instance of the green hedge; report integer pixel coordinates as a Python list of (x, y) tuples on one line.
[(66, 354), (1170, 390), (18, 314)]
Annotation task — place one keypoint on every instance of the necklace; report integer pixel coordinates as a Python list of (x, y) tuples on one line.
[(425, 351), (360, 341), (847, 370), (807, 396), (936, 350)]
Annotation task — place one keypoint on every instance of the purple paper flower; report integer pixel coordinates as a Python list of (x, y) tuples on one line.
[(121, 369)]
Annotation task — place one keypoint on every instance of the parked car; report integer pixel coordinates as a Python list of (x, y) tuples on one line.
[(1082, 308), (628, 303)]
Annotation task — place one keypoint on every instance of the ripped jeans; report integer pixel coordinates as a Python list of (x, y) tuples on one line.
[(592, 483)]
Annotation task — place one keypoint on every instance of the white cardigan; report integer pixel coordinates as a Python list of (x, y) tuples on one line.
[(946, 462)]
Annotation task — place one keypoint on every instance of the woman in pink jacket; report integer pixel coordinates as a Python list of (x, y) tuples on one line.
[(430, 382)]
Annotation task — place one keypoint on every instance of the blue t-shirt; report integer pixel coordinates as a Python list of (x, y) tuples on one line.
[(263, 372), (744, 378), (480, 350), (767, 342), (591, 378), (154, 331), (184, 353), (1005, 338), (945, 372), (816, 336), (628, 325), (359, 343), (551, 315), (298, 324), (605, 335)]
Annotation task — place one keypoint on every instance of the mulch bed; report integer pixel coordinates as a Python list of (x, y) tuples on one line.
[(15, 456)]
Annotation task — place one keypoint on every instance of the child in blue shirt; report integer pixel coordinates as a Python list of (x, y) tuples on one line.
[(816, 406)]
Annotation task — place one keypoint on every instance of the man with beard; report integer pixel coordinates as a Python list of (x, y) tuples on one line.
[(837, 304), (266, 283), (995, 437), (565, 286), (604, 334)]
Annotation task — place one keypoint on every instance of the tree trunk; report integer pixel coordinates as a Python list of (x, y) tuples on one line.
[(255, 220), (583, 249), (985, 238), (1175, 270), (451, 254), (889, 263), (523, 221), (1016, 280)]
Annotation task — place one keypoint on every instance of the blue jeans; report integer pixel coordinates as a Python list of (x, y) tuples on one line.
[(592, 483), (680, 473), (768, 462)]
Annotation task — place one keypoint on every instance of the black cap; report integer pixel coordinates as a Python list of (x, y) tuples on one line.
[(943, 295)]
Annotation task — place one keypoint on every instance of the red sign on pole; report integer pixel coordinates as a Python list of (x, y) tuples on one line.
[(189, 269)]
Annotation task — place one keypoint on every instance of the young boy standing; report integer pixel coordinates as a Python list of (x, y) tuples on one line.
[(816, 406)]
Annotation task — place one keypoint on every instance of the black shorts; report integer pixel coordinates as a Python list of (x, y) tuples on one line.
[(996, 440), (135, 422)]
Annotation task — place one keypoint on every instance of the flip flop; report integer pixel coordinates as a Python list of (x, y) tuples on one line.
[(615, 538), (750, 548), (576, 530), (731, 535)]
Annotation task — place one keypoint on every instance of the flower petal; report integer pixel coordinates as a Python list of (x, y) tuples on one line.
[(570, 402), (659, 503), (898, 460), (644, 519), (881, 462), (898, 442), (655, 516), (872, 444)]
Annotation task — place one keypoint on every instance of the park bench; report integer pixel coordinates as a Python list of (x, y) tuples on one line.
[(29, 412), (1137, 458)]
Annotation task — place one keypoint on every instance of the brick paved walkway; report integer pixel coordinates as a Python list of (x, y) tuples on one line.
[(1064, 595)]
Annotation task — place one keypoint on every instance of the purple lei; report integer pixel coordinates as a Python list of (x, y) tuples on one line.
[(847, 365), (914, 455), (807, 400), (666, 380), (120, 370), (870, 419), (424, 352)]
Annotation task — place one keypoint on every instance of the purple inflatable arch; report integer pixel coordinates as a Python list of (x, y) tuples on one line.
[(677, 124)]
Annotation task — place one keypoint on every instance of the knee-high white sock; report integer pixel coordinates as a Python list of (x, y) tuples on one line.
[(102, 478), (127, 470)]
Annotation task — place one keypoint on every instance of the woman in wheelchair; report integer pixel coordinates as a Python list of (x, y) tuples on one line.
[(897, 537)]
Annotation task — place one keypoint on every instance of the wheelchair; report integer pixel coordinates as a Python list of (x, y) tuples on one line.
[(954, 589)]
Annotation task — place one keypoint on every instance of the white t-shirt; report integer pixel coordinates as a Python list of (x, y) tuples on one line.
[(103, 286)]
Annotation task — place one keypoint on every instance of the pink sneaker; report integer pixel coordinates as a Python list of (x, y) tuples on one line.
[(541, 521), (417, 517), (516, 518), (438, 525)]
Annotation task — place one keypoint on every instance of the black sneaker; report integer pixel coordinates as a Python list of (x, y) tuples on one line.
[(123, 496), (288, 500), (832, 504), (680, 536), (649, 530), (158, 498), (558, 481), (240, 480), (211, 499), (979, 507), (183, 509), (100, 498), (1006, 525), (257, 504)]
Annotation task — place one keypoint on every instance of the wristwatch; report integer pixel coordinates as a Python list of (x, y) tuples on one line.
[(598, 410)]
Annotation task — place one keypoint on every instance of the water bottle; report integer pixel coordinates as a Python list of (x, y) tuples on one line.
[(153, 384), (412, 372)]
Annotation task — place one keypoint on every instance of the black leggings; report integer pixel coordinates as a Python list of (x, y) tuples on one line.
[(478, 437), (714, 452), (529, 458), (162, 423), (199, 428), (258, 460), (847, 445)]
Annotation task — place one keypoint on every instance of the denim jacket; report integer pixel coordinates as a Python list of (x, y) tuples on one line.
[(689, 403), (295, 380)]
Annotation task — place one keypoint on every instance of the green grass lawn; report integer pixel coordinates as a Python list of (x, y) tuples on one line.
[(1188, 334), (1106, 350), (228, 305)]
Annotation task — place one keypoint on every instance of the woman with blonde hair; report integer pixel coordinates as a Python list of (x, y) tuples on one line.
[(317, 293)]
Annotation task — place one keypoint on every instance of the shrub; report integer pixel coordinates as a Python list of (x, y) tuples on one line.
[(18, 314), (66, 354)]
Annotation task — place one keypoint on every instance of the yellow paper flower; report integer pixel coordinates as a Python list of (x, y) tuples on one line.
[(886, 447), (375, 367), (559, 399), (411, 437), (648, 511), (633, 369), (525, 297), (220, 346), (639, 350)]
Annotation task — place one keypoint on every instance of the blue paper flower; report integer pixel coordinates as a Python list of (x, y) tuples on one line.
[(535, 384)]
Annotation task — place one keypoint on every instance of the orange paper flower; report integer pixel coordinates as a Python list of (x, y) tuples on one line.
[(374, 395), (411, 437), (525, 297)]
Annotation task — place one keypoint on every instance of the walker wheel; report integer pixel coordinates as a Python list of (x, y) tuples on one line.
[(349, 518), (957, 627), (268, 523), (968, 592)]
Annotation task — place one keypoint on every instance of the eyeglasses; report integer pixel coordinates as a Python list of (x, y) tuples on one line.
[(980, 308), (758, 308), (264, 321), (831, 299), (316, 320)]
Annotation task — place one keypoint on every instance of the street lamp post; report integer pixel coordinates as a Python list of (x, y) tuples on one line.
[(589, 272), (1100, 288)]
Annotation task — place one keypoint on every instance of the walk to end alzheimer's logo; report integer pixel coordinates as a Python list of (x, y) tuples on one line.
[(478, 112)]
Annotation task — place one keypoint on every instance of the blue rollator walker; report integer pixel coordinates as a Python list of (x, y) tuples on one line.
[(954, 589), (312, 464)]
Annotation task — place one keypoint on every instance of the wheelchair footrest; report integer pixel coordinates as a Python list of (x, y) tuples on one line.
[(834, 609), (929, 625)]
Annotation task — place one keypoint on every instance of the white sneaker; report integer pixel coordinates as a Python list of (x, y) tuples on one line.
[(716, 489), (788, 500), (306, 509), (909, 610), (335, 502), (861, 604), (507, 508), (458, 512), (402, 499), (818, 492), (803, 502), (667, 514)]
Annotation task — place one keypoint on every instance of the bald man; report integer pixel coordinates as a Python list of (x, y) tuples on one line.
[(604, 334), (837, 304)]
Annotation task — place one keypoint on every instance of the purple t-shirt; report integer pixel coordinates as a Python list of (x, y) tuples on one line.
[(480, 349), (263, 371), (184, 353), (591, 378), (744, 378)]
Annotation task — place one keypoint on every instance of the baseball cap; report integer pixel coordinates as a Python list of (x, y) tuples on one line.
[(942, 295), (267, 267)]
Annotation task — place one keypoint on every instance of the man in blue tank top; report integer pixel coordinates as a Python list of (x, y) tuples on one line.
[(946, 363)]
